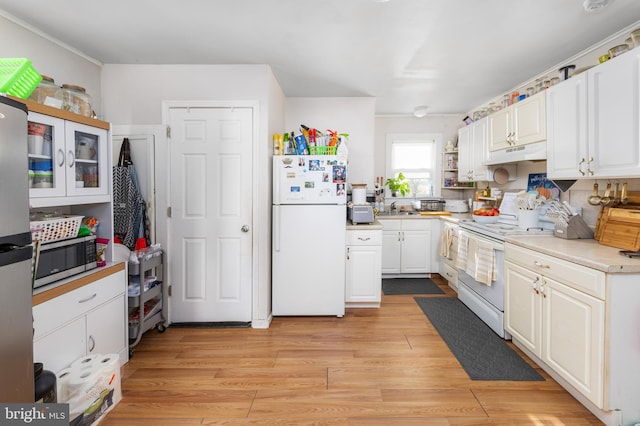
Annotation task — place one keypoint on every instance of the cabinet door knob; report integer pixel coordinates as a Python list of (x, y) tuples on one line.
[(589, 166), (60, 158), (541, 265), (93, 343)]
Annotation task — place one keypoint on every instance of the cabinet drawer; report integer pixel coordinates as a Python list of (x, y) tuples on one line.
[(416, 225), (450, 273), (573, 275), (364, 238), (391, 224), (52, 314)]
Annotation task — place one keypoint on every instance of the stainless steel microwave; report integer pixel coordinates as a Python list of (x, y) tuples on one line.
[(62, 259)]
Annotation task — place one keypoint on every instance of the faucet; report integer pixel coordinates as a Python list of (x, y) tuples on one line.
[(393, 206)]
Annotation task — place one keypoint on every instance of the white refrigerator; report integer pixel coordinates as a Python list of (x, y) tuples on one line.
[(309, 235)]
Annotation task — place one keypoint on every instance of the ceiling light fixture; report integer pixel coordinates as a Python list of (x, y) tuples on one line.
[(594, 5), (420, 111)]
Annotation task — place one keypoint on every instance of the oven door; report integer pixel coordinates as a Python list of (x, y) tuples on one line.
[(494, 294)]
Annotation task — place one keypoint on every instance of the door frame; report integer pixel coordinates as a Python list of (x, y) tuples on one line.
[(256, 230)]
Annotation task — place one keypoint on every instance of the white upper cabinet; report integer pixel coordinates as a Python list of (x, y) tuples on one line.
[(614, 116), (70, 161), (593, 122), (567, 149), (519, 124), (472, 151)]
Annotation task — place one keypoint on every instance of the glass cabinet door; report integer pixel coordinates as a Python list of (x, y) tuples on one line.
[(66, 158), (47, 156), (88, 173)]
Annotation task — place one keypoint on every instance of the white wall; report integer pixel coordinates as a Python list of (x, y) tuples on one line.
[(134, 95), (354, 116), (446, 125), (60, 63)]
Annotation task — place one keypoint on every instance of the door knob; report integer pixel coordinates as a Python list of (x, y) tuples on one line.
[(245, 228)]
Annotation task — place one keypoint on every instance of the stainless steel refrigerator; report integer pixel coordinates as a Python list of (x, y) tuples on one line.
[(16, 321)]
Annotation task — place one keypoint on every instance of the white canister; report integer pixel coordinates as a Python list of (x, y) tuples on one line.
[(359, 193), (528, 219)]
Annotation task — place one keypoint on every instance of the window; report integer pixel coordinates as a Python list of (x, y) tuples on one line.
[(415, 155)]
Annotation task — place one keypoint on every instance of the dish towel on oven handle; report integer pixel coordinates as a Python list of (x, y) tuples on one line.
[(463, 252), (483, 266), (446, 240)]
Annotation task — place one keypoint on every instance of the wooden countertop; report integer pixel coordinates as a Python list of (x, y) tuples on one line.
[(587, 253)]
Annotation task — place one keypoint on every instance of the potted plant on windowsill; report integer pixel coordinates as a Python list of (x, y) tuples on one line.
[(398, 184)]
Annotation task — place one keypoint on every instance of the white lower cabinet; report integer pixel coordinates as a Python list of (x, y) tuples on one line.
[(578, 324), (407, 246), (363, 269), (89, 319), (564, 327)]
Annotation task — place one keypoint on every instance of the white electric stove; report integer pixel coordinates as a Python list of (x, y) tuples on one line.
[(487, 301)]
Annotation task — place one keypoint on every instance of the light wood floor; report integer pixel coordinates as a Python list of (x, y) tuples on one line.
[(384, 366)]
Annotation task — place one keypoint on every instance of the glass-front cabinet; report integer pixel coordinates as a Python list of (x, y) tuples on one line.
[(66, 158)]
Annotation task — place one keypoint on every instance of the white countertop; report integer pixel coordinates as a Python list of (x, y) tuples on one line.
[(587, 253), (364, 226)]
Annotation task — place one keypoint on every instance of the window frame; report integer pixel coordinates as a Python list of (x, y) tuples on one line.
[(435, 167)]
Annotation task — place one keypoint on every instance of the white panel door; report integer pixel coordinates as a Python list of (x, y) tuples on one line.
[(210, 236)]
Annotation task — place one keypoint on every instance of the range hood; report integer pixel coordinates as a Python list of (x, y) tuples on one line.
[(530, 152)]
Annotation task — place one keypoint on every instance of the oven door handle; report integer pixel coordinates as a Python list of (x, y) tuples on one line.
[(496, 245)]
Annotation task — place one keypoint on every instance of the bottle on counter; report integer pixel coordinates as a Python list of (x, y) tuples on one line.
[(288, 150), (276, 144)]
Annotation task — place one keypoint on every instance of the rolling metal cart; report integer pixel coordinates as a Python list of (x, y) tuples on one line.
[(145, 307)]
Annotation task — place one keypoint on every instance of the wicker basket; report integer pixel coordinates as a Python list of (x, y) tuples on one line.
[(55, 228), (18, 77)]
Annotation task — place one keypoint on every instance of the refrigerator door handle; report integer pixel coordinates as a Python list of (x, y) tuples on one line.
[(276, 180), (10, 254), (276, 228)]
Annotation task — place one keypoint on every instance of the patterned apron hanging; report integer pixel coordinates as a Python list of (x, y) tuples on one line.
[(130, 220)]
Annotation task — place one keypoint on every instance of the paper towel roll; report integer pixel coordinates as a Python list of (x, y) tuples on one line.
[(80, 380), (110, 368), (109, 360), (62, 384), (89, 380), (88, 361)]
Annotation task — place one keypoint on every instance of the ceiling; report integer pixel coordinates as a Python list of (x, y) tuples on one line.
[(450, 55)]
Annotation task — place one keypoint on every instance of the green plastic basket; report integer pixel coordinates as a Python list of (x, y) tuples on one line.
[(18, 77), (322, 150)]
